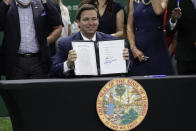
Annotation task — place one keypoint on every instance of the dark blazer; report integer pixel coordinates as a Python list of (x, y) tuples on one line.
[(186, 27), (64, 45), (43, 14)]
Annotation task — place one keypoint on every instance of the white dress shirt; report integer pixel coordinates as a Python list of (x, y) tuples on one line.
[(172, 25)]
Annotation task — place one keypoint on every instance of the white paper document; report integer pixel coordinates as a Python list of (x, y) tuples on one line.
[(85, 63), (99, 58), (111, 57)]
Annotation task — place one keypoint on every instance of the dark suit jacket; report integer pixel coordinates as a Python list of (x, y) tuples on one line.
[(10, 24), (64, 45), (52, 46), (186, 27)]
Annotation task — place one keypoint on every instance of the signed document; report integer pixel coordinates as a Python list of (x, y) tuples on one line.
[(99, 58), (111, 57)]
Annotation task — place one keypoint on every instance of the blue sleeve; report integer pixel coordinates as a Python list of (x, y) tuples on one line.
[(59, 59)]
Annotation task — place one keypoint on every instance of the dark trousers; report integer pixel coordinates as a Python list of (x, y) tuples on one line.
[(28, 67), (186, 67)]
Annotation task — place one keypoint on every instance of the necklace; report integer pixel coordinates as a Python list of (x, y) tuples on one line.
[(146, 3), (137, 1)]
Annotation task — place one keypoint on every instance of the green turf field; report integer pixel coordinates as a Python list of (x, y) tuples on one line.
[(5, 124)]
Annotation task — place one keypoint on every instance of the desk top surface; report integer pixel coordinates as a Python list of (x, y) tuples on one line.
[(94, 79)]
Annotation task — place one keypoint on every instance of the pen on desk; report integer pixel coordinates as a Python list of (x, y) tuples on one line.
[(156, 76), (178, 3), (159, 76)]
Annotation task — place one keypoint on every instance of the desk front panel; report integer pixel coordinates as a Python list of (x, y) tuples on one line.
[(70, 105)]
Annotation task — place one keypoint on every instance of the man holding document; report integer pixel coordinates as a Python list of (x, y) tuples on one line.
[(89, 52)]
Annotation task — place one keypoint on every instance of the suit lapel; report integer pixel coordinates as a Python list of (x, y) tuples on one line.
[(14, 16), (78, 36), (192, 8), (194, 3), (188, 9), (98, 36), (37, 9)]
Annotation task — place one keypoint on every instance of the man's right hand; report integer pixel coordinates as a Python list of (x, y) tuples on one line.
[(6, 2), (71, 58), (176, 14)]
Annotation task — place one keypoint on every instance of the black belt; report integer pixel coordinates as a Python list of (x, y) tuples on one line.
[(148, 27), (28, 54)]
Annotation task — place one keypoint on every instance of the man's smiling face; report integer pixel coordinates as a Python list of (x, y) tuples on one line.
[(88, 23)]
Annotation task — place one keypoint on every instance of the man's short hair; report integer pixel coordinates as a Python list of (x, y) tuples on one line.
[(84, 8)]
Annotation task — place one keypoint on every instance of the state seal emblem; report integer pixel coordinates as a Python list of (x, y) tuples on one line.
[(122, 104)]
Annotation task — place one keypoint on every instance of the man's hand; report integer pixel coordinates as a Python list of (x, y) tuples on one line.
[(176, 14), (71, 58), (126, 54), (6, 2)]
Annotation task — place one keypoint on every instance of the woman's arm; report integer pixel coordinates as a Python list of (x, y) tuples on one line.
[(130, 33), (119, 24), (159, 6), (55, 34), (173, 44), (69, 30)]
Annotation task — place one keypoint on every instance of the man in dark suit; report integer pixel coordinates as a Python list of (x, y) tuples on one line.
[(25, 45), (88, 21), (182, 19)]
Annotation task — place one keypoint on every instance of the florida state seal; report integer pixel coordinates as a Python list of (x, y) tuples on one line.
[(122, 104)]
